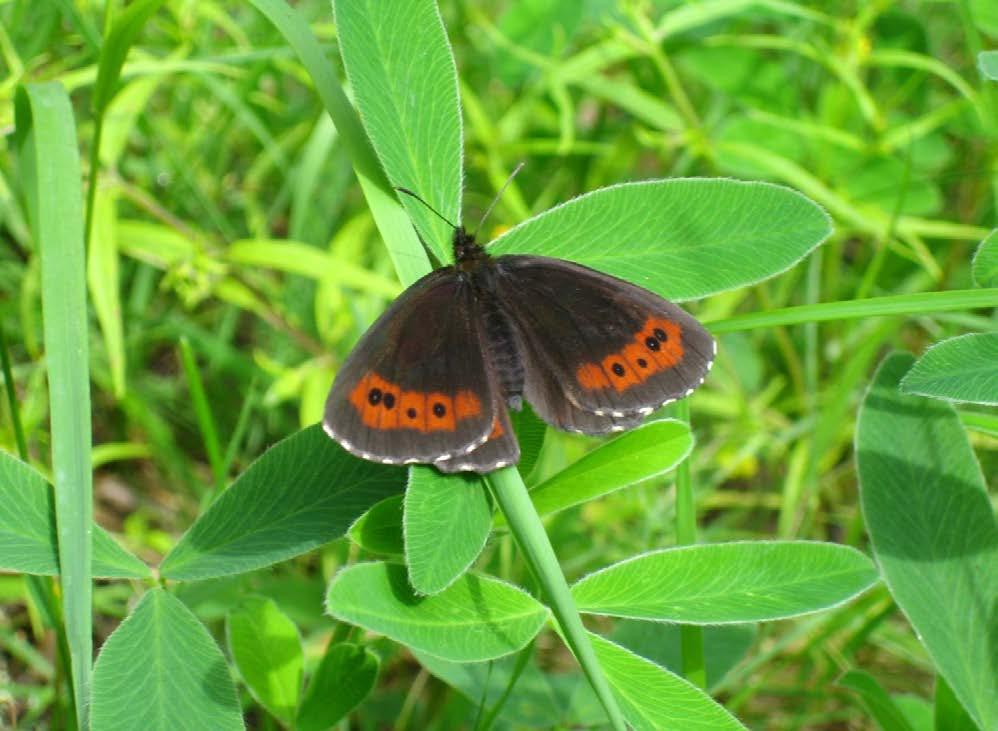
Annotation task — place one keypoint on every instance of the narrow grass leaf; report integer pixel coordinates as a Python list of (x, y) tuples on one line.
[(727, 582), (875, 700), (103, 283), (652, 698), (682, 238), (987, 62), (266, 648), (447, 521), (476, 618), (404, 80), (985, 264), (379, 530), (160, 670), (959, 369), (408, 255), (302, 493), (115, 48), (933, 531), (344, 678), (649, 451), (50, 166), (28, 529)]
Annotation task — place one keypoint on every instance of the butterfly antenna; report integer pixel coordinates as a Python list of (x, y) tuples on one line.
[(434, 210), (495, 200)]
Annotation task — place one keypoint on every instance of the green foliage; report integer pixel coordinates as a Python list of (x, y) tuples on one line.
[(239, 198), (680, 238), (344, 677), (917, 473), (302, 493), (162, 670), (476, 618), (959, 369), (727, 582), (266, 648), (447, 521)]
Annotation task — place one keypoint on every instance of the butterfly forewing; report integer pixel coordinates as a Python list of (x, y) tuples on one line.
[(417, 387), (610, 348)]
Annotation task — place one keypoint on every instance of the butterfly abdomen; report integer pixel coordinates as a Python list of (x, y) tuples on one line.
[(503, 350)]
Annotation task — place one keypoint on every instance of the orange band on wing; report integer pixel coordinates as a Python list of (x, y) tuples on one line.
[(382, 405), (657, 347)]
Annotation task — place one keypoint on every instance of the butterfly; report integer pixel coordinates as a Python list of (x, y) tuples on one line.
[(433, 378)]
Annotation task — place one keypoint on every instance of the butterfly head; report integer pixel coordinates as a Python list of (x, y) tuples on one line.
[(468, 254)]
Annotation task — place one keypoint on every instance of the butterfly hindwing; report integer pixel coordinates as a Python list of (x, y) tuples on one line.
[(499, 450), (608, 348), (417, 387)]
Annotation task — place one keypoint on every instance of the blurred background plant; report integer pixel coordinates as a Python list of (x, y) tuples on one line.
[(229, 222)]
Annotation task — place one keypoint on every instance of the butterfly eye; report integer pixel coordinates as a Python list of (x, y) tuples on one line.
[(374, 396), (652, 343), (660, 334)]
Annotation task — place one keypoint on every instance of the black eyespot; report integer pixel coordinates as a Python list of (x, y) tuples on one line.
[(439, 410), (388, 400), (652, 343), (642, 362), (661, 334), (411, 413), (374, 396), (618, 369)]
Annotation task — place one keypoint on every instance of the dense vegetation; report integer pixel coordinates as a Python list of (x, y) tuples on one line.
[(230, 260)]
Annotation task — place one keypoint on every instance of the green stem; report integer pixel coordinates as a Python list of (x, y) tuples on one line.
[(690, 636), (920, 303), (524, 522)]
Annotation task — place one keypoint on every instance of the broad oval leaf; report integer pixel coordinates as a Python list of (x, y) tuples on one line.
[(727, 582), (160, 670), (958, 369), (266, 648), (933, 531), (476, 618), (985, 264), (447, 521), (641, 454), (301, 493), (987, 62), (345, 676), (379, 530), (28, 534), (652, 698), (682, 238), (404, 80)]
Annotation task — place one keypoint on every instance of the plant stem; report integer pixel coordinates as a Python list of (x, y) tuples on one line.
[(920, 303), (690, 636), (524, 522)]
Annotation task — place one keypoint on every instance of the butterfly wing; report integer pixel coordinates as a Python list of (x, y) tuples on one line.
[(610, 349), (417, 387), (499, 450)]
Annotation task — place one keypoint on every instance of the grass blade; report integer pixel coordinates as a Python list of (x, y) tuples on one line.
[(46, 137)]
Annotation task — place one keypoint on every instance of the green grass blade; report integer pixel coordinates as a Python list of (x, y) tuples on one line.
[(46, 137), (921, 303), (202, 409), (396, 229)]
